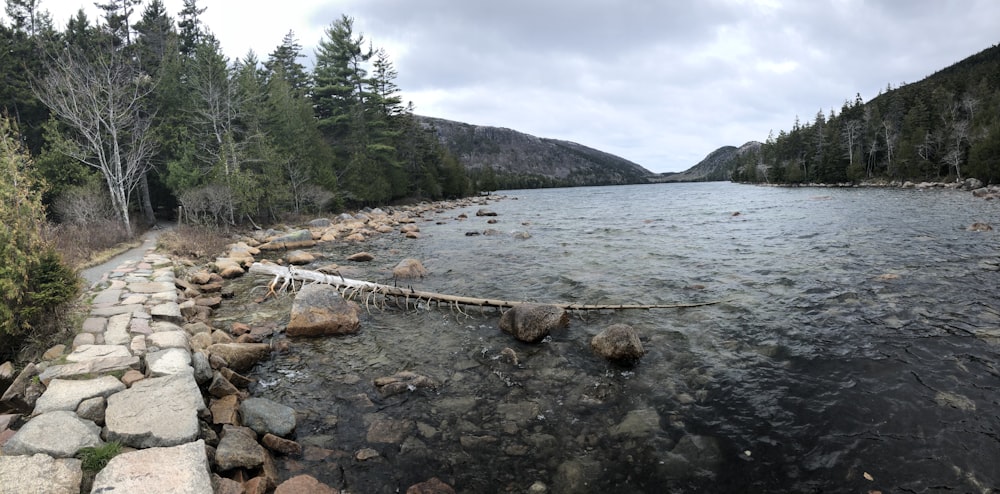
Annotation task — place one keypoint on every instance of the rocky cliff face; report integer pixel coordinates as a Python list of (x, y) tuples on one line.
[(511, 154), (717, 166)]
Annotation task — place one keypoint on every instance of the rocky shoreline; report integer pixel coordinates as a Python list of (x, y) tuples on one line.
[(147, 371)]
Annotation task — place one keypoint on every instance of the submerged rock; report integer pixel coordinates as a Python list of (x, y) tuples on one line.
[(320, 310), (401, 382), (432, 486), (267, 417), (533, 322), (619, 342), (240, 357)]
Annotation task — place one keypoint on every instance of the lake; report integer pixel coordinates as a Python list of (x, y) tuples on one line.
[(855, 347)]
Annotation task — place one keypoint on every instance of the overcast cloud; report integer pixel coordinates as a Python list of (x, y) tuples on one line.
[(662, 83)]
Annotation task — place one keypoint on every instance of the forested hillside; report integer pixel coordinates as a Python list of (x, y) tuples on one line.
[(142, 112), (945, 127), (499, 158)]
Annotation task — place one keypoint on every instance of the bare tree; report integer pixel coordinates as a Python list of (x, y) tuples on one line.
[(851, 132), (101, 99)]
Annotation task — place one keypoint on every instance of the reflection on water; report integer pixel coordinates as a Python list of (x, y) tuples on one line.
[(856, 348)]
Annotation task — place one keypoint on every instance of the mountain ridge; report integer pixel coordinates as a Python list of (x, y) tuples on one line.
[(517, 160)]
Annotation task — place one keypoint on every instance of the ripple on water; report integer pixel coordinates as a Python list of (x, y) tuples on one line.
[(818, 364)]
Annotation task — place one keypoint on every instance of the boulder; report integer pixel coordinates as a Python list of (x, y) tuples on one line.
[(980, 227), (295, 240), (228, 268), (225, 410), (299, 257), (59, 434), (361, 257), (319, 310), (240, 357), (432, 486), (267, 417), (409, 268), (40, 473), (619, 342), (238, 448), (533, 322), (180, 469), (972, 184), (304, 483), (485, 212), (320, 223)]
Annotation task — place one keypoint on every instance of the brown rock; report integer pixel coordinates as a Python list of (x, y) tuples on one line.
[(212, 287), (219, 336), (238, 380), (409, 268), (201, 278), (213, 302), (302, 484), (281, 445), (131, 377), (409, 228), (412, 235), (432, 486), (20, 396), (228, 268), (319, 309), (221, 386), (618, 342), (355, 237), (361, 257), (256, 485), (533, 322), (299, 257), (239, 328), (226, 486), (366, 454), (240, 357), (225, 410), (980, 227), (54, 352)]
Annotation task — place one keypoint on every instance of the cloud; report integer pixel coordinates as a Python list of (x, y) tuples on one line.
[(660, 82)]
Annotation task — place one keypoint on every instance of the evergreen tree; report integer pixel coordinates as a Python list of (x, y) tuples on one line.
[(191, 31), (284, 61)]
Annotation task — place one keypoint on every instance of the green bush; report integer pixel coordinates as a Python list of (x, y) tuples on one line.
[(33, 279)]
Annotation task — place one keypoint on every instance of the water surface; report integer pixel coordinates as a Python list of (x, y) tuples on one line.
[(855, 348)]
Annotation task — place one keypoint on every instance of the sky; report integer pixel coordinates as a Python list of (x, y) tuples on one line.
[(659, 82)]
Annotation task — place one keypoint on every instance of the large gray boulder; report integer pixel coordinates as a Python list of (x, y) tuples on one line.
[(265, 416), (155, 412), (320, 310), (619, 342), (39, 474), (180, 469), (533, 322), (59, 434)]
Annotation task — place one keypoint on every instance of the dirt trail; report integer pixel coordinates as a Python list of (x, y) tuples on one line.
[(94, 274)]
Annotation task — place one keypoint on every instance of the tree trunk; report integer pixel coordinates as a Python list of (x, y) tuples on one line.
[(353, 288), (147, 204)]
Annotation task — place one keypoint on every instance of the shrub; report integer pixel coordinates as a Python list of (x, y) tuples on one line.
[(33, 279)]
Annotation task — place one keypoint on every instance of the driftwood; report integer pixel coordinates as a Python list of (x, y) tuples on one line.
[(285, 276)]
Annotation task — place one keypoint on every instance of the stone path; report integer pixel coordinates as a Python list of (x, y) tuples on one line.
[(132, 326)]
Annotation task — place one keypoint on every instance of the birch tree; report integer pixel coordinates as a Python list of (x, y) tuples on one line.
[(101, 100)]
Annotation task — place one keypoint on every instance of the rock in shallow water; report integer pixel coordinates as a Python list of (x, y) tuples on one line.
[(619, 342), (320, 310), (265, 416), (533, 322)]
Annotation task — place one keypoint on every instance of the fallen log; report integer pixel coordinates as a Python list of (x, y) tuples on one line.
[(285, 276)]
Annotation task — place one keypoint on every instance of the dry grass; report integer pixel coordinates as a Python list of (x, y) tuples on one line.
[(198, 243), (80, 244)]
